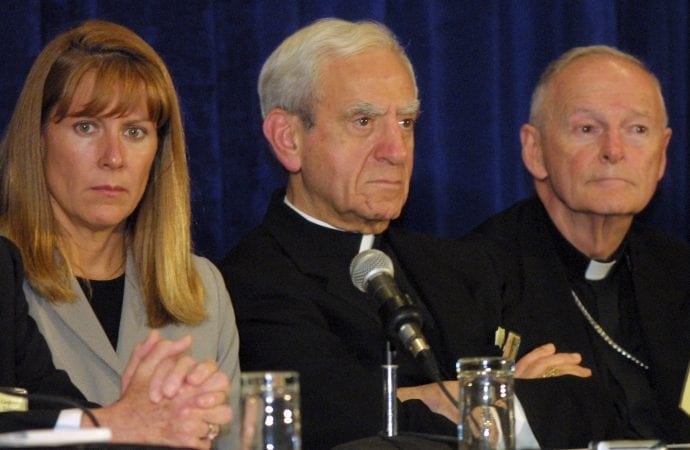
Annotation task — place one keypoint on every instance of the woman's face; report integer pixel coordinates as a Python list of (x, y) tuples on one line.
[(97, 167)]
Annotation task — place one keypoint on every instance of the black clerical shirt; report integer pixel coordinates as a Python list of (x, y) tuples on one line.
[(610, 300)]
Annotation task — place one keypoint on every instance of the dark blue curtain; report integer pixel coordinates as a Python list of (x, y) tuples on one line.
[(476, 63)]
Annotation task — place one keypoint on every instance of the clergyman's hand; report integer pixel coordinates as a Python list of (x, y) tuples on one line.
[(433, 398), (544, 362)]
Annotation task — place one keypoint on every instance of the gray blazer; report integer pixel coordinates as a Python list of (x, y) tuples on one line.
[(80, 346)]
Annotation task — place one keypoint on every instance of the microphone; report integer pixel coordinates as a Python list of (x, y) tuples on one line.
[(372, 272)]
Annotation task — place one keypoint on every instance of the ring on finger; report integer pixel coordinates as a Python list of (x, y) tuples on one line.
[(213, 431), (550, 372)]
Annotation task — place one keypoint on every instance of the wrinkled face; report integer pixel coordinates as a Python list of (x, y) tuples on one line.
[(603, 138), (97, 167), (356, 161)]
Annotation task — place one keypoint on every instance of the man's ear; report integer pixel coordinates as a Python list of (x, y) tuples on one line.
[(281, 128), (533, 152), (662, 166)]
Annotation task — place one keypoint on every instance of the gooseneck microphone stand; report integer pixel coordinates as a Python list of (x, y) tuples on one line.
[(390, 386)]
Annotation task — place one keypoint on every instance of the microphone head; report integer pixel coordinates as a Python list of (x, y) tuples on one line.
[(367, 264)]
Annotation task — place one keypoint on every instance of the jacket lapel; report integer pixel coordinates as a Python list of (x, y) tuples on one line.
[(133, 322), (662, 303), (322, 253), (547, 293), (82, 321)]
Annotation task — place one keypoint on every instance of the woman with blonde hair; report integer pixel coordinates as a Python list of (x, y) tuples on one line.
[(95, 193)]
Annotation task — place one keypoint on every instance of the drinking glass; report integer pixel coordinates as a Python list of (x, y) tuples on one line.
[(486, 404), (270, 411)]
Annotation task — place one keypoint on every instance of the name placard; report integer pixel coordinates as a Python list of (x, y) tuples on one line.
[(685, 396), (13, 399)]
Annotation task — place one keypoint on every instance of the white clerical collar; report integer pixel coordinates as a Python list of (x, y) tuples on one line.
[(367, 242), (597, 270), (367, 239), (310, 218)]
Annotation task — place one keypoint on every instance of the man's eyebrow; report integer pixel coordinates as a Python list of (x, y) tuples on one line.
[(369, 109), (411, 108), (634, 114), (365, 108)]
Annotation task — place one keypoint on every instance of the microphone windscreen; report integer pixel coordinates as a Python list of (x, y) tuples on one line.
[(367, 264)]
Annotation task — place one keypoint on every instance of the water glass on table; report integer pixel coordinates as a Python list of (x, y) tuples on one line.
[(486, 404), (270, 411)]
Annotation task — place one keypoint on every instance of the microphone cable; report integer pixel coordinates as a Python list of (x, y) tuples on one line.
[(55, 400), (65, 401)]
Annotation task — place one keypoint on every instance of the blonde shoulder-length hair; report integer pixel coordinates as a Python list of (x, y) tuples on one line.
[(158, 232)]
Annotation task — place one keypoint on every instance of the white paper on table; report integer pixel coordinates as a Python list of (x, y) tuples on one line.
[(631, 444), (51, 437)]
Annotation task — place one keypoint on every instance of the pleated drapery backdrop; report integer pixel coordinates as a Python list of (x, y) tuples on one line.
[(476, 64)]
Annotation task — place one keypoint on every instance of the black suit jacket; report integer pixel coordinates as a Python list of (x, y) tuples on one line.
[(538, 305), (297, 309), (25, 360)]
